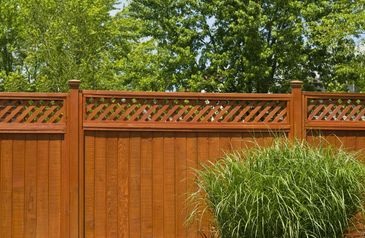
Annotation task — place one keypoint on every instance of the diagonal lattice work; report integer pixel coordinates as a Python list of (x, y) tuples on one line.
[(31, 111), (336, 109), (99, 109)]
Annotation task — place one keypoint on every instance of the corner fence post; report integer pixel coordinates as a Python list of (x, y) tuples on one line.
[(73, 152), (296, 111)]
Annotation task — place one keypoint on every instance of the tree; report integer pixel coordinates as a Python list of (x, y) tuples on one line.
[(45, 43), (252, 46)]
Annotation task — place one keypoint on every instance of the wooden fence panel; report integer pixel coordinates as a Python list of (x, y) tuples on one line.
[(137, 182), (31, 185), (120, 164), (349, 140)]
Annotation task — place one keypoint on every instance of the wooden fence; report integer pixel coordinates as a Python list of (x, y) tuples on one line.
[(119, 164)]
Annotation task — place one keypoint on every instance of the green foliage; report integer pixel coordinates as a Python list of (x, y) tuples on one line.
[(183, 45), (253, 46), (286, 190), (48, 42)]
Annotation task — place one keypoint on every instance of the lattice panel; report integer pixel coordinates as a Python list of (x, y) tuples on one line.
[(185, 110), (335, 109), (31, 111)]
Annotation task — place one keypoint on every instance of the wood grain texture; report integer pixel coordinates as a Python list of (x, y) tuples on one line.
[(145, 178), (30, 187)]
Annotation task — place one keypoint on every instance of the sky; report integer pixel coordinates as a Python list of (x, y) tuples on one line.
[(118, 7)]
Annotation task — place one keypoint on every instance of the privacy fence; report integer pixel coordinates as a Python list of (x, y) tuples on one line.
[(119, 164)]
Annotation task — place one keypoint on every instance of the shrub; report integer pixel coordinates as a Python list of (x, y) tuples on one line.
[(286, 190)]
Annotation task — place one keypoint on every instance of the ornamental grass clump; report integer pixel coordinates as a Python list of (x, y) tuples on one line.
[(288, 190)]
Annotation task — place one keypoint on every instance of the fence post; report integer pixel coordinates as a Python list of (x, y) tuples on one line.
[(296, 108), (73, 152)]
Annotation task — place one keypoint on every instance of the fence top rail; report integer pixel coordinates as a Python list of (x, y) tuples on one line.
[(333, 95), (186, 95), (25, 96)]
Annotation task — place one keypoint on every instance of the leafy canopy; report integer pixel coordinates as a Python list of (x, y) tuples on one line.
[(254, 46), (184, 45)]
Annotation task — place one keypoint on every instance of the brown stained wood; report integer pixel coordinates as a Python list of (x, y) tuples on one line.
[(30, 198), (65, 189), (12, 114), (123, 184), (149, 112), (18, 186), (181, 184), (117, 111), (192, 165), (138, 154), (203, 158), (6, 186), (169, 186), (55, 160), (360, 145), (220, 116), (229, 116), (263, 112), (243, 112), (100, 185), (146, 185), (184, 95), (214, 151), (73, 143), (90, 185), (135, 185), (169, 113), (236, 141), (137, 113), (180, 113), (112, 184), (157, 184), (225, 145), (42, 185), (350, 141)]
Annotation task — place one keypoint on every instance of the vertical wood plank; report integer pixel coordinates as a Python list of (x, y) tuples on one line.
[(112, 184), (203, 157), (42, 186), (18, 186), (65, 188), (236, 141), (55, 156), (215, 150), (180, 184), (6, 186), (350, 140), (123, 184), (100, 184), (158, 184), (360, 144), (169, 185), (224, 143), (135, 186), (89, 184), (30, 186), (192, 164), (146, 185)]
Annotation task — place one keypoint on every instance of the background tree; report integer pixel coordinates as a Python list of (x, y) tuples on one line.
[(254, 46), (183, 45), (47, 42)]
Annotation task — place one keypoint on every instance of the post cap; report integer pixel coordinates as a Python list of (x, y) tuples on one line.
[(296, 84), (74, 84)]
